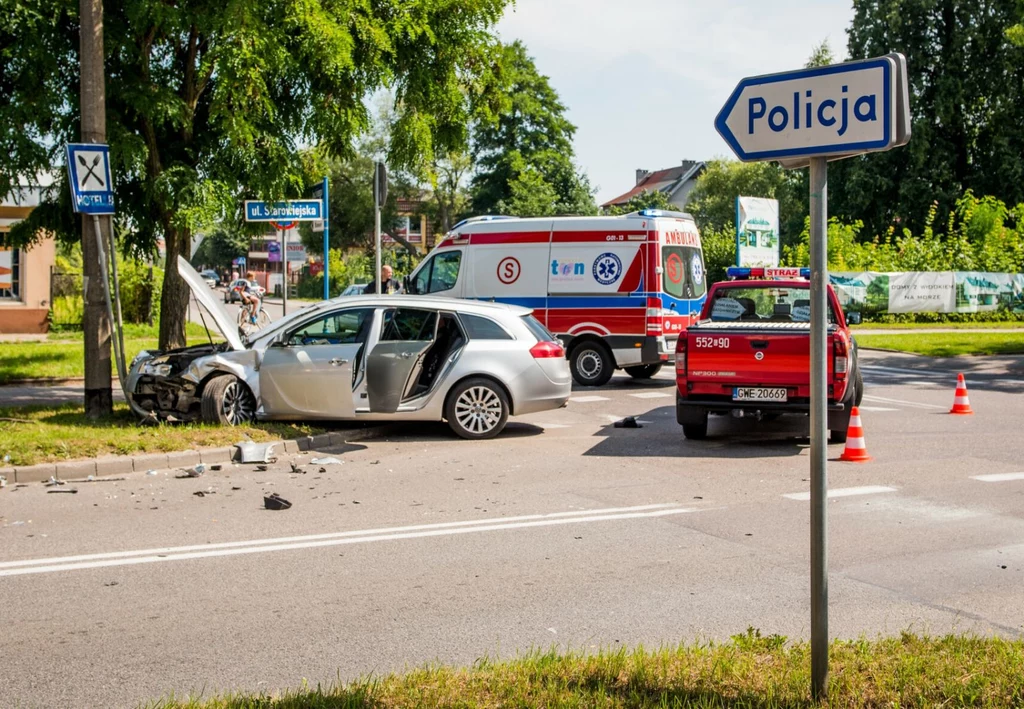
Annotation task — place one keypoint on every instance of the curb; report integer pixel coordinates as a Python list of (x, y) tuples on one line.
[(123, 464), (44, 382)]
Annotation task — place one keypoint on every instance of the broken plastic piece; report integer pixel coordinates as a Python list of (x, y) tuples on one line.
[(329, 460), (150, 472), (628, 422), (53, 481), (250, 452), (276, 502), (69, 490), (196, 471)]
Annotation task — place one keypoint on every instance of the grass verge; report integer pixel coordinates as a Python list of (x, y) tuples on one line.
[(32, 435), (751, 671), (62, 356), (984, 325), (948, 344)]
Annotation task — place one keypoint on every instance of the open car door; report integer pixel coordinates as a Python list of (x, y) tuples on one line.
[(395, 363)]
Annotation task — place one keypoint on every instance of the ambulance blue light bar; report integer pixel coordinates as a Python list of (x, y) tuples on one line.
[(737, 272)]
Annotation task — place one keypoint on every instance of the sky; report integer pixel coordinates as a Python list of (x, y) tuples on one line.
[(644, 79)]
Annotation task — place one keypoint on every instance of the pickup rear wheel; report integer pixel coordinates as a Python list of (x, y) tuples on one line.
[(591, 364), (696, 427), (643, 371)]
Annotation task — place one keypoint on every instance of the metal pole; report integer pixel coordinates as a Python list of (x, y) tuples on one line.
[(95, 321), (327, 231), (118, 361), (376, 227), (284, 271), (117, 304), (819, 428)]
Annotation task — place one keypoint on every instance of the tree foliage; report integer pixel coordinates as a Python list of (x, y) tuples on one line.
[(524, 159), (220, 247), (967, 101), (209, 101), (713, 201)]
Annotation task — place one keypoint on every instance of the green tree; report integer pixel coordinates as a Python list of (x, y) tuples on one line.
[(713, 201), (220, 247), (821, 55), (524, 159), (967, 101), (208, 102)]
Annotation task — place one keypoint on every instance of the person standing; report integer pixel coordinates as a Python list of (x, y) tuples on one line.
[(388, 284)]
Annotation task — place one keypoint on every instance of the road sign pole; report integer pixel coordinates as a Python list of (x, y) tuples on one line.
[(284, 271), (819, 427), (327, 231), (376, 225)]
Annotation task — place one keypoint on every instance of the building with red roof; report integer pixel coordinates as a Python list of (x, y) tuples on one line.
[(676, 182)]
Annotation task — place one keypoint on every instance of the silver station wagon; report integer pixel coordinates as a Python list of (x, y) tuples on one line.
[(362, 358)]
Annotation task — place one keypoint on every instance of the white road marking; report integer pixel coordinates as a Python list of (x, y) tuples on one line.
[(843, 492), (918, 372), (587, 399), (651, 395), (916, 404), (998, 477), (553, 425), (256, 546), (874, 408)]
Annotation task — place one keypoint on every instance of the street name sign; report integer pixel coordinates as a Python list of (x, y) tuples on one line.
[(299, 210), (833, 111), (92, 189)]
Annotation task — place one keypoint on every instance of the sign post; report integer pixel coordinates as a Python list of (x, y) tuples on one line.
[(323, 193), (92, 193), (803, 119)]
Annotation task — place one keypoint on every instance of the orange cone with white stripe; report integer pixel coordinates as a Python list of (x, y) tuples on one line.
[(961, 404), (855, 451)]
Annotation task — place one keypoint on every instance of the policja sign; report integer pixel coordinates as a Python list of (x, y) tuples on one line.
[(805, 118)]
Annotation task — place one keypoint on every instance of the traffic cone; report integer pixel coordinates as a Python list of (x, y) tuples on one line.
[(855, 451), (961, 404)]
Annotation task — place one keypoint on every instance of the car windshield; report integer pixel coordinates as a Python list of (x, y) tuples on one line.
[(774, 304), (682, 272)]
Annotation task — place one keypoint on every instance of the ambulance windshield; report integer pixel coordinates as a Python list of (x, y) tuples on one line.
[(683, 272)]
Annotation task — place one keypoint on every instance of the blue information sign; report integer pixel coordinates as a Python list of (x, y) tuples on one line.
[(299, 210), (92, 189)]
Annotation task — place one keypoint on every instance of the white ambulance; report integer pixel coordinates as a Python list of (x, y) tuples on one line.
[(616, 290)]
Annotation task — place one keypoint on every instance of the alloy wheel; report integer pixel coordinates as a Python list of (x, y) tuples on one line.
[(238, 404), (478, 409)]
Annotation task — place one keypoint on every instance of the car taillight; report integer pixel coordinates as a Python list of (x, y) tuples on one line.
[(841, 361), (546, 349), (681, 355)]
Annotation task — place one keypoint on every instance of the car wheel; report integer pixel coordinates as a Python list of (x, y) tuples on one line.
[(477, 409), (696, 431), (643, 371), (591, 364), (227, 401), (858, 390)]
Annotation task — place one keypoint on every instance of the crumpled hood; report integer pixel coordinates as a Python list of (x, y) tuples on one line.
[(226, 324)]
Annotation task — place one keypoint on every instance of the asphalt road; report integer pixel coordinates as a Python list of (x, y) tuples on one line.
[(563, 532)]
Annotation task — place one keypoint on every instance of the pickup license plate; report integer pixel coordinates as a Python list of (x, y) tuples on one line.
[(758, 394)]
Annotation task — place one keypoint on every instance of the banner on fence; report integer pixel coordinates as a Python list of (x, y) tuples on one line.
[(930, 292)]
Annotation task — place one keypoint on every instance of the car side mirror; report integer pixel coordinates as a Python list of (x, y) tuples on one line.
[(853, 319)]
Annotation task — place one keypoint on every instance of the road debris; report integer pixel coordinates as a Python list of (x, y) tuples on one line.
[(276, 502), (94, 479), (628, 422), (69, 490), (196, 471), (3, 482), (250, 452), (329, 460), (204, 493), (52, 482), (151, 472)]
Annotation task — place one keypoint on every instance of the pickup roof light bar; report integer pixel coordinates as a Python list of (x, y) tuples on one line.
[(736, 272)]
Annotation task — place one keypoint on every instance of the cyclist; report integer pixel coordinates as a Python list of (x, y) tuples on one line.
[(250, 298)]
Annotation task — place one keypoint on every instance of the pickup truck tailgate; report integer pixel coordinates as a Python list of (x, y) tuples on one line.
[(750, 354)]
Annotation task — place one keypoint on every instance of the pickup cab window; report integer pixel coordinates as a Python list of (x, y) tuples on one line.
[(789, 304)]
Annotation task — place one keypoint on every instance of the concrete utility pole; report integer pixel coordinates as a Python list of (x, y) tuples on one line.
[(96, 322)]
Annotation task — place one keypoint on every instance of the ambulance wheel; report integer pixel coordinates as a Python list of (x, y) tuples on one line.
[(591, 364), (643, 371)]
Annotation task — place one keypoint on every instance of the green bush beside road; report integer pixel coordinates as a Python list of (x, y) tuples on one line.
[(762, 672)]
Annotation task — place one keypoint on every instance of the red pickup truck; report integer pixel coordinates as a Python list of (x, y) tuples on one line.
[(749, 355)]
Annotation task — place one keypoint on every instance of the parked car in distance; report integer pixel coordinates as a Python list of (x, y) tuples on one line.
[(231, 295), (361, 358), (211, 277), (355, 289)]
